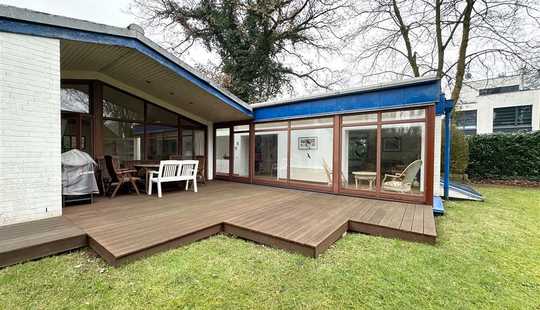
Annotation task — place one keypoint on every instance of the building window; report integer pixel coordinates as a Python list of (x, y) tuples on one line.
[(76, 118), (136, 130), (384, 152), (466, 121), (512, 119), (271, 145), (75, 98), (498, 90), (222, 150), (241, 151)]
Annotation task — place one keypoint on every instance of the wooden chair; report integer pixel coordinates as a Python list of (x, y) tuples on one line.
[(104, 179), (119, 176), (174, 171), (201, 170)]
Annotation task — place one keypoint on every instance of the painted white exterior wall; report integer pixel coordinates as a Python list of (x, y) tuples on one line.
[(484, 105), (30, 162)]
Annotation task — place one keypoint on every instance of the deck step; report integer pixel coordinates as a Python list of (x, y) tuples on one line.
[(31, 240)]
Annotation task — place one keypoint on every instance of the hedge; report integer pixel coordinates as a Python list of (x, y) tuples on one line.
[(505, 156)]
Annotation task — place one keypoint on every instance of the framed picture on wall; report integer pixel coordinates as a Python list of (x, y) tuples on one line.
[(391, 144), (307, 143)]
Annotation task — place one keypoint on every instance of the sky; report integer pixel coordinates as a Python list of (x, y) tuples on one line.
[(116, 13), (110, 12)]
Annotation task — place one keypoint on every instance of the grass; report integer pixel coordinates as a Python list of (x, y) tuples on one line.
[(487, 256)]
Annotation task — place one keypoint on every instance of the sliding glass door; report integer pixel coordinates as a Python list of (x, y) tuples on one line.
[(384, 153)]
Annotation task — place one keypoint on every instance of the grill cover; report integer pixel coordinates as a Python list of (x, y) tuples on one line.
[(78, 173)]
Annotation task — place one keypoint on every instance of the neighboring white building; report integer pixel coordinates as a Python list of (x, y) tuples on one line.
[(503, 104)]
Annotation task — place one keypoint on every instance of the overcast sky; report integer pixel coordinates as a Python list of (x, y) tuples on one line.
[(110, 12)]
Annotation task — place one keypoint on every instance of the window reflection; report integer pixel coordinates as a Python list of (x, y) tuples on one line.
[(162, 141), (402, 158), (359, 157), (222, 150), (311, 155), (271, 155), (123, 140)]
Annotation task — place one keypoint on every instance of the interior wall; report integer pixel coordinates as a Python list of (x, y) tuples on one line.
[(308, 165)]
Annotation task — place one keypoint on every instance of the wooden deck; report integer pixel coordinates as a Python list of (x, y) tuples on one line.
[(129, 227)]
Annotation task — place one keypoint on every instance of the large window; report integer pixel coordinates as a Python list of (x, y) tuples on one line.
[(222, 150), (76, 121), (241, 150), (359, 152), (384, 152), (135, 129), (402, 158), (512, 119), (123, 140), (161, 133), (121, 106), (466, 121), (271, 145), (381, 154), (312, 150), (75, 98), (123, 125), (162, 142)]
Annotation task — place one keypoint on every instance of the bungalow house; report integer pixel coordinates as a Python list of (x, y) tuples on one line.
[(67, 83)]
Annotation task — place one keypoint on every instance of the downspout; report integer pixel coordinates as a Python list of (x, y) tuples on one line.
[(447, 144)]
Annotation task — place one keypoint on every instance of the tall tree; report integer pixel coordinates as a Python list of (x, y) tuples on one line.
[(448, 37), (251, 37)]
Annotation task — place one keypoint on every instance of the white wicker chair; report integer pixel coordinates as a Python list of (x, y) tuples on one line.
[(402, 182)]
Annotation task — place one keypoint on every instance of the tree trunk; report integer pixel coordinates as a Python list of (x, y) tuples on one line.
[(460, 71)]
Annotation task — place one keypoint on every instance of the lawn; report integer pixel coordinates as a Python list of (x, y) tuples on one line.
[(487, 256)]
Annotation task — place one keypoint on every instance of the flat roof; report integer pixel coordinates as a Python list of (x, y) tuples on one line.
[(348, 91), (16, 13)]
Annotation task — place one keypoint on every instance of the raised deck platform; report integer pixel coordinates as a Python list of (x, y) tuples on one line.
[(129, 227), (30, 240)]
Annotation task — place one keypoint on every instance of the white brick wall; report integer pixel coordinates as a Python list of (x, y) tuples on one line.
[(30, 169)]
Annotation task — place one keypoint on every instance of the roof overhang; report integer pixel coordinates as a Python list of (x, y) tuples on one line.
[(131, 58)]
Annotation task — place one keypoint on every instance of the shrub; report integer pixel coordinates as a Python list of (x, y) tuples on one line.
[(459, 152), (505, 156)]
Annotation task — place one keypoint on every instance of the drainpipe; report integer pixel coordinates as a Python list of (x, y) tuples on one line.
[(447, 145)]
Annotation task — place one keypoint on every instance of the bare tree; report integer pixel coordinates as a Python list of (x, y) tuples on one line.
[(447, 38), (251, 37)]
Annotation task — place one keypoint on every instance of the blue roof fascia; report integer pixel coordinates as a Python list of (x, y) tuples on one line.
[(29, 28), (423, 93)]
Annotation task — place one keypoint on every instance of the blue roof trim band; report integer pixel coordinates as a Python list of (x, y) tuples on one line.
[(359, 110), (29, 28), (390, 98)]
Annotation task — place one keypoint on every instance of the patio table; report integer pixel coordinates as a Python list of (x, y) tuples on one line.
[(364, 175), (147, 169)]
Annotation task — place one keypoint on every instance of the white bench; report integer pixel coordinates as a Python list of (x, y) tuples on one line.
[(174, 171)]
